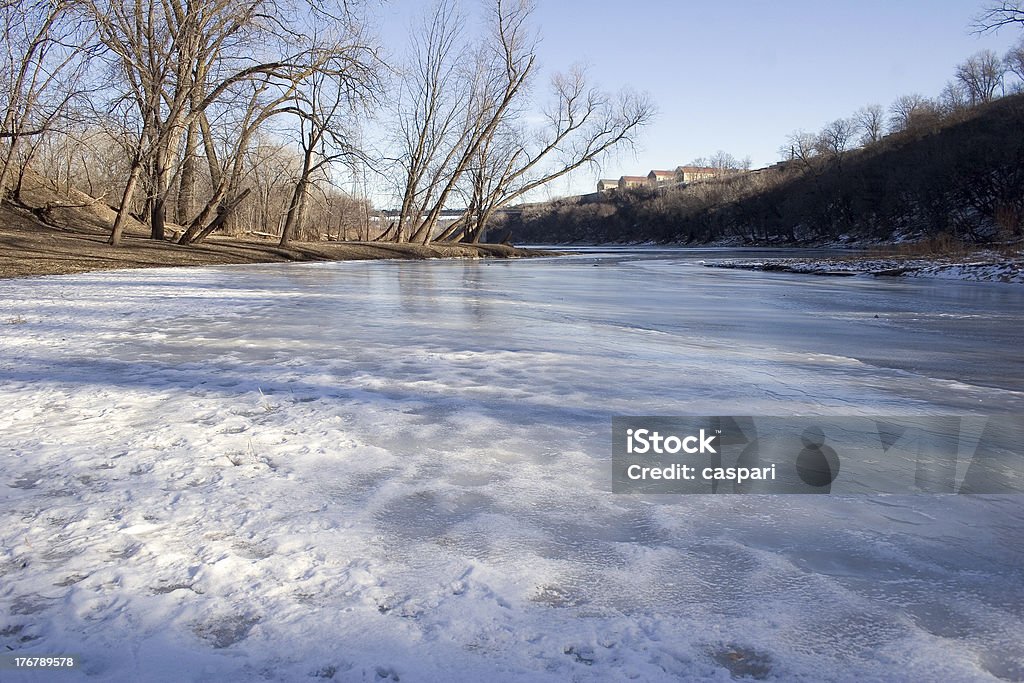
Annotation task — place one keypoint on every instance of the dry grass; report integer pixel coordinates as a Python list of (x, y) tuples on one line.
[(946, 246), (943, 245)]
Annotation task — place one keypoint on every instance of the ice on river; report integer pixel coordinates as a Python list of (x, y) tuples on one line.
[(401, 471)]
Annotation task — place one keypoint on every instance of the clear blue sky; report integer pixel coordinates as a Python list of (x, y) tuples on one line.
[(740, 76)]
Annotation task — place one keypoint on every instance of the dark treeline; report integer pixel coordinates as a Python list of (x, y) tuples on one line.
[(959, 175)]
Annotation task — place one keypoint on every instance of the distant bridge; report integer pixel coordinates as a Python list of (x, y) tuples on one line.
[(455, 213), (446, 213)]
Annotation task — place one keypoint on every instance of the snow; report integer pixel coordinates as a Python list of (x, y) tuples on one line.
[(400, 471), (988, 267)]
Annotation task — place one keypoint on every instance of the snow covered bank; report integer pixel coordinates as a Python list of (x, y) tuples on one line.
[(371, 472), (983, 268)]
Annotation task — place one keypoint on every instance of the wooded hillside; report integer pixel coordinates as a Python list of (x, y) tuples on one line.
[(961, 176)]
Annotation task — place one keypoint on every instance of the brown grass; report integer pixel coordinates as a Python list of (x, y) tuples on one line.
[(944, 245)]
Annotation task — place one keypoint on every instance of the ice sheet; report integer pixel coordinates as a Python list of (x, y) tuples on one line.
[(374, 471)]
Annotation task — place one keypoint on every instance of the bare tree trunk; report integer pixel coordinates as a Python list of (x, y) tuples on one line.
[(211, 150), (158, 216), (453, 231), (7, 163), (224, 212), (297, 206), (126, 200), (481, 226), (186, 204), (213, 207), (158, 204), (296, 213)]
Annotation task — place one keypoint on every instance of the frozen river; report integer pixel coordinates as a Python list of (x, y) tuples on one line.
[(401, 470)]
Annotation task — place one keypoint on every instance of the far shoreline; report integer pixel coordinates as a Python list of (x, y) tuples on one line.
[(1004, 264), (32, 250)]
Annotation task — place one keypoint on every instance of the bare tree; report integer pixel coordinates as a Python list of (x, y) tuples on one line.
[(801, 147), (271, 167), (912, 112), (503, 67), (181, 64), (582, 125), (244, 116), (160, 53), (981, 75), (46, 50), (998, 14), (870, 120), (1013, 62), (463, 126), (953, 98), (836, 137), (432, 111), (723, 162), (323, 104)]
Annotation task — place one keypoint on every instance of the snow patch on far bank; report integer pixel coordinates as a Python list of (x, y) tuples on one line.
[(984, 267)]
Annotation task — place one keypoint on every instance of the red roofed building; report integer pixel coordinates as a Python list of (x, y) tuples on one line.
[(689, 174), (628, 181), (656, 178)]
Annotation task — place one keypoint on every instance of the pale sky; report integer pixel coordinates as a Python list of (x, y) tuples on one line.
[(740, 76)]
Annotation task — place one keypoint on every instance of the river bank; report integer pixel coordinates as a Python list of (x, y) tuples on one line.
[(28, 249), (981, 266)]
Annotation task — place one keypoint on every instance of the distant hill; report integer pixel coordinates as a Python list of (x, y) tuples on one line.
[(961, 176)]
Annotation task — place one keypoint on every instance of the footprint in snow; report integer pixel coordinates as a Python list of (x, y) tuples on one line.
[(227, 630)]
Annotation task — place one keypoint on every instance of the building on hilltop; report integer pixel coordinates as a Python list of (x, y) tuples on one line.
[(658, 178), (690, 174), (628, 181), (655, 179)]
